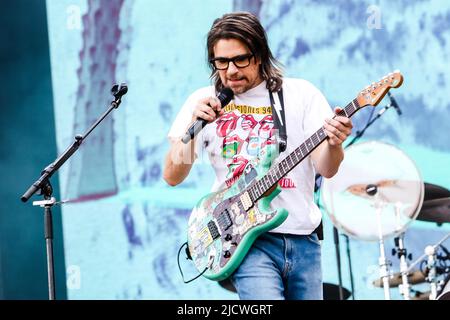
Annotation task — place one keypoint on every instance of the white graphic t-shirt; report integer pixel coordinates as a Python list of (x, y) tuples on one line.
[(247, 127)]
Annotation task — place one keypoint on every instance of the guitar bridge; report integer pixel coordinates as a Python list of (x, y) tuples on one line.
[(224, 220)]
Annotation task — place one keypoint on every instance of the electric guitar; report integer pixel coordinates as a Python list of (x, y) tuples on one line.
[(224, 224)]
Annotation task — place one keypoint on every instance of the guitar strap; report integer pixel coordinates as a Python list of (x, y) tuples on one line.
[(279, 120)]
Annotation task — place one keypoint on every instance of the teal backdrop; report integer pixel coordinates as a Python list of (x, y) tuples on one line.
[(27, 145), (123, 225)]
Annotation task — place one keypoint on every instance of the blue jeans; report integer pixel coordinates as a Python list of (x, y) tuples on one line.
[(281, 266)]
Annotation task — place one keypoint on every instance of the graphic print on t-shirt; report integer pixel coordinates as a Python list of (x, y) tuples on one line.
[(245, 130), (226, 124)]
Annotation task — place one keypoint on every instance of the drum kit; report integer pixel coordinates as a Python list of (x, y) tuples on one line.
[(387, 188)]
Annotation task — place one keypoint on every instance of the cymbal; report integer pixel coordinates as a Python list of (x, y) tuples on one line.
[(394, 281), (436, 210), (377, 192), (389, 191), (331, 292), (433, 191)]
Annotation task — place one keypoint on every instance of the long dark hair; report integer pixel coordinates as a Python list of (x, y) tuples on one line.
[(245, 27)]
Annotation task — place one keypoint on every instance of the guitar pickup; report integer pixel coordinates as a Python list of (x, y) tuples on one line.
[(213, 230), (224, 220)]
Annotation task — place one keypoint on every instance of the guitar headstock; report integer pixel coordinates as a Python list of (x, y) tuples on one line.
[(373, 94)]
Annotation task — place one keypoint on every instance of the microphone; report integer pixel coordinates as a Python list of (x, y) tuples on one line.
[(224, 97), (394, 104)]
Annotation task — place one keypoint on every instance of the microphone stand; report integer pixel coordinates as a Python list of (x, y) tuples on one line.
[(349, 259), (318, 183), (358, 135), (44, 186), (338, 261)]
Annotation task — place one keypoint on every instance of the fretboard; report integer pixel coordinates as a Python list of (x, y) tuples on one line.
[(295, 157)]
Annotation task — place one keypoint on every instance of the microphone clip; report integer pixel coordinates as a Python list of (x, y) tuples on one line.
[(119, 90)]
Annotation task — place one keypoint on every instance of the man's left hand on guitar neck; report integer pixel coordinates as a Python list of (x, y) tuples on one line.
[(328, 156)]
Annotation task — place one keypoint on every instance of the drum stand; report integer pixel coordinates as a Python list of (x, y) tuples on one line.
[(372, 190), (383, 263), (404, 287), (430, 251)]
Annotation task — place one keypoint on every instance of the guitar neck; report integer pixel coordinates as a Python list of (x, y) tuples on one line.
[(295, 157)]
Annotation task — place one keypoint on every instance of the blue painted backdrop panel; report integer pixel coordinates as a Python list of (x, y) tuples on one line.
[(124, 227)]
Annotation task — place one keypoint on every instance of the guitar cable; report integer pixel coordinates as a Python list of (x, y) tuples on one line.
[(187, 258)]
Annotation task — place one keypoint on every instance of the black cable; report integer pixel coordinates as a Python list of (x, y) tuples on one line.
[(179, 266)]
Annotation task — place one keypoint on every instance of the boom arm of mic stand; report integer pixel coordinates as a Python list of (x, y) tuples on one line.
[(51, 169), (54, 166), (359, 134)]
